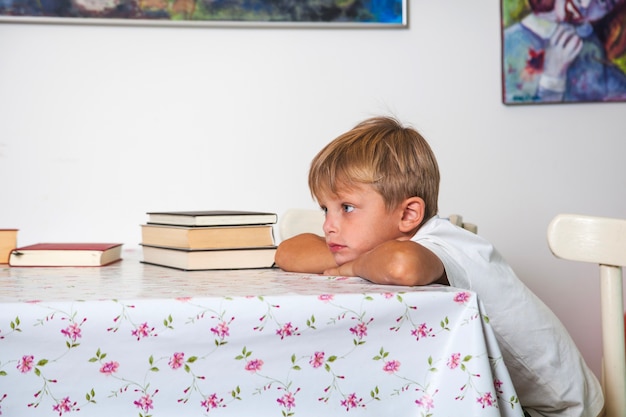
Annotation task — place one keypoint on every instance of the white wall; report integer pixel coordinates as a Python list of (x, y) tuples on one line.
[(99, 125)]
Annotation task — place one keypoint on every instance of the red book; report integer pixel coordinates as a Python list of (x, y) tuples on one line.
[(66, 254)]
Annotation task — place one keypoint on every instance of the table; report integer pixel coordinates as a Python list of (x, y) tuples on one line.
[(135, 339)]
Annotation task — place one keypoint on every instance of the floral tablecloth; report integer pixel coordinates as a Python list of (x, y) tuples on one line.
[(133, 339)]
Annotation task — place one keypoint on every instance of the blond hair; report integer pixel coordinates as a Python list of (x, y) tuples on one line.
[(396, 160)]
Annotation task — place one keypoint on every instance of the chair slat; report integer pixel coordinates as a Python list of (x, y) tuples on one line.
[(602, 241)]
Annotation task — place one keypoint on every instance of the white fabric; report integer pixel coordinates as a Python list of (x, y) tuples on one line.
[(549, 374)]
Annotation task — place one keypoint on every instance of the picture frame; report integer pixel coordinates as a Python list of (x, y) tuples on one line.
[(211, 13), (574, 54)]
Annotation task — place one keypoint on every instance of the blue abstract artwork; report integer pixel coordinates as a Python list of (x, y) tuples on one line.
[(568, 51), (212, 12)]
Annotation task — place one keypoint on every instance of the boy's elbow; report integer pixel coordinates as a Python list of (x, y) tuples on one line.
[(306, 253), (399, 273), (291, 256), (281, 259), (404, 268), (303, 253)]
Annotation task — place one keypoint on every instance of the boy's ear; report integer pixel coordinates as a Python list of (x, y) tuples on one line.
[(413, 209)]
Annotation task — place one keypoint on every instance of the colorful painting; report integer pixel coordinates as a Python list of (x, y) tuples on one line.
[(369, 13), (563, 51)]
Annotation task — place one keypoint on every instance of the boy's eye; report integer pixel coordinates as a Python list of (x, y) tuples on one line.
[(324, 210), (348, 208)]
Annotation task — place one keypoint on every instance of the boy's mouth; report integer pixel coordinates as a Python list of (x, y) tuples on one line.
[(335, 247)]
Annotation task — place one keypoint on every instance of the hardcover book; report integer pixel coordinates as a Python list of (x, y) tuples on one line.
[(212, 218), (207, 237), (66, 254), (8, 242), (206, 259)]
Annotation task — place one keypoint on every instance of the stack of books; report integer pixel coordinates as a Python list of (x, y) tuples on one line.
[(207, 240)]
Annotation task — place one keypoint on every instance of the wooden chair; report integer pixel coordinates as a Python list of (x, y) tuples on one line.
[(601, 241), (457, 219), (296, 221)]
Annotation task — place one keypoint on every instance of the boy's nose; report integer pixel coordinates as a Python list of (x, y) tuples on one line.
[(329, 224)]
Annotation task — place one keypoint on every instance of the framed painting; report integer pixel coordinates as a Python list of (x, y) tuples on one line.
[(335, 13), (563, 51)]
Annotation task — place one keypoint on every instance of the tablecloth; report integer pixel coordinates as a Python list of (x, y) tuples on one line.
[(133, 339)]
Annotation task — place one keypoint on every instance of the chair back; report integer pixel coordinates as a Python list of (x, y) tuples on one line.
[(601, 241), (296, 221), (457, 220)]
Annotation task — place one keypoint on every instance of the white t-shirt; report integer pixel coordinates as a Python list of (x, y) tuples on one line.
[(549, 374)]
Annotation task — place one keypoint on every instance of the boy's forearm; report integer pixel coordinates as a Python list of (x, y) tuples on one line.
[(395, 263), (304, 253)]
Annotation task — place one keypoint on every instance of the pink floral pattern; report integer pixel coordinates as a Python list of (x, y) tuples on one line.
[(227, 342)]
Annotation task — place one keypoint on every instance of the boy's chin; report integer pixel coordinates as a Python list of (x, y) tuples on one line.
[(342, 259)]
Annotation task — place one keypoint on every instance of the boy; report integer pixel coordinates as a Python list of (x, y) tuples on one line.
[(378, 186)]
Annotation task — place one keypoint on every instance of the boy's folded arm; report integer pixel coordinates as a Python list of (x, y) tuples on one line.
[(400, 263), (306, 252)]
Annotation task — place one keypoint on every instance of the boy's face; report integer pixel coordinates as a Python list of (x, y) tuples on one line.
[(357, 221)]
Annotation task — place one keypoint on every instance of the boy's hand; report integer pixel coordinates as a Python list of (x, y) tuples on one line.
[(563, 48), (344, 270)]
